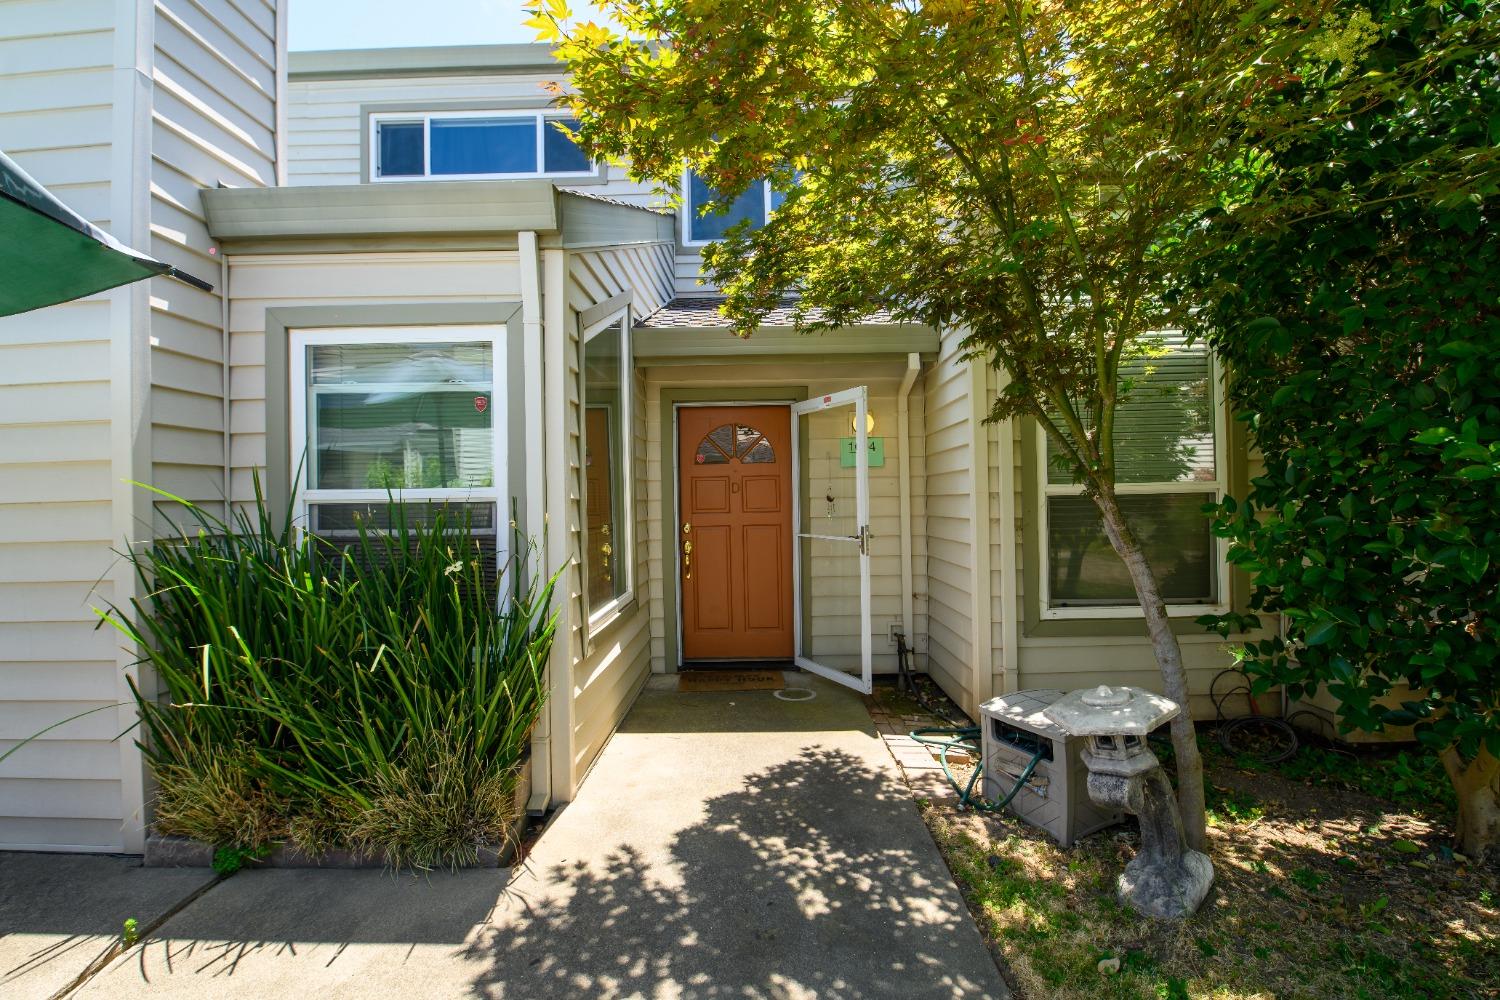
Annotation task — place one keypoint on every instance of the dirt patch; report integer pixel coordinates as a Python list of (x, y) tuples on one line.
[(1322, 891)]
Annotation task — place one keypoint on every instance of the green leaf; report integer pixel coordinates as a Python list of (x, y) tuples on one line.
[(1474, 562), (1406, 847), (1321, 633)]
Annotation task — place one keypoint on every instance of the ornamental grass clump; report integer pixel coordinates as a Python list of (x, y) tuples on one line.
[(361, 695)]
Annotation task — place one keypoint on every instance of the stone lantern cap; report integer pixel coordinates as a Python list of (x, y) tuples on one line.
[(1110, 711)]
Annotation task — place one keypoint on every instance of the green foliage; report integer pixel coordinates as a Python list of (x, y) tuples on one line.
[(130, 932), (1018, 170), (367, 698), (1353, 288), (228, 860)]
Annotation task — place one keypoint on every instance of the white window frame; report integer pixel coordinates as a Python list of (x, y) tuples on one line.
[(690, 211), (426, 118), (1216, 487), (302, 454), (601, 616)]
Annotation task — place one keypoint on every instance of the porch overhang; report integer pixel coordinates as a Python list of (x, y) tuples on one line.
[(690, 330), (454, 215)]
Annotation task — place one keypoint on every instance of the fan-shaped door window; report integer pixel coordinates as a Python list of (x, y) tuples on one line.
[(734, 442)]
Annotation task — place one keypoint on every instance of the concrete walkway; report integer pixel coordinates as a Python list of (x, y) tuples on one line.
[(724, 845), (61, 913)]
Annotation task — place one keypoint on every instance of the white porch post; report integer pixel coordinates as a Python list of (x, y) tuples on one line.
[(558, 343), (535, 505)]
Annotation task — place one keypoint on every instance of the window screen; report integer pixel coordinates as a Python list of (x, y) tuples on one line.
[(1167, 467)]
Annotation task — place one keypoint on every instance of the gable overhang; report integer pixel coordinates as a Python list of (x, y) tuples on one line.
[(429, 60), (449, 215)]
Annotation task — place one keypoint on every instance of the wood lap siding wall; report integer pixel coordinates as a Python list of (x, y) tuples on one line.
[(610, 667), (212, 123), (56, 472), (950, 529), (123, 111)]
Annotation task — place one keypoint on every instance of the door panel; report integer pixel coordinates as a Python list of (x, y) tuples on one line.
[(763, 546), (734, 542)]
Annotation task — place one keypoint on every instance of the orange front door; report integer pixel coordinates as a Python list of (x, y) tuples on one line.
[(735, 535)]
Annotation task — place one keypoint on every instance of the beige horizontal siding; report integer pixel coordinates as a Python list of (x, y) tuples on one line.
[(56, 480), (950, 529), (213, 123)]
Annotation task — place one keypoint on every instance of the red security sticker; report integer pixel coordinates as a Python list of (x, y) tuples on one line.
[(481, 403)]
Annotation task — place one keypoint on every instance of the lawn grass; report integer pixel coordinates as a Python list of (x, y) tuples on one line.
[(1322, 891)]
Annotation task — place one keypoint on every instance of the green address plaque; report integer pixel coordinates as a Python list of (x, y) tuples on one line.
[(846, 452)]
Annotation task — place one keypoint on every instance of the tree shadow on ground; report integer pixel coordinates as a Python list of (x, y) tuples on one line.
[(807, 882)]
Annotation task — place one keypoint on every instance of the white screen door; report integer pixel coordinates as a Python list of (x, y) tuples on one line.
[(832, 554)]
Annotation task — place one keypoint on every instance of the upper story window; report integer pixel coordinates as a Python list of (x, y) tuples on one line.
[(757, 203), (467, 145)]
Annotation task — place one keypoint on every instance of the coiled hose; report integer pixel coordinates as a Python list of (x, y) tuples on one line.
[(967, 738)]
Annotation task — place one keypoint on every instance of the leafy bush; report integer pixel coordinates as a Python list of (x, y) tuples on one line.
[(367, 698)]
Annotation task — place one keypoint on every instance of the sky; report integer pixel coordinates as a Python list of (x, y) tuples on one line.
[(379, 24)]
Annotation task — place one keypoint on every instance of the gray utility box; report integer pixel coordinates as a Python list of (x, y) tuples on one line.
[(1056, 796)]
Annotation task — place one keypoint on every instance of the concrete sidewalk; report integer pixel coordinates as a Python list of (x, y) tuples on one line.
[(61, 912), (724, 845)]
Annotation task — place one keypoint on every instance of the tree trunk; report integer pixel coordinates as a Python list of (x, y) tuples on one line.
[(1164, 644), (1477, 785)]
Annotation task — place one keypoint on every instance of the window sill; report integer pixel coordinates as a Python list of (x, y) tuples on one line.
[(1127, 612), (601, 621)]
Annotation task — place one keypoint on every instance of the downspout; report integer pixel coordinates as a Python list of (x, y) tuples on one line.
[(1010, 651), (903, 431), (224, 378), (534, 510), (981, 610)]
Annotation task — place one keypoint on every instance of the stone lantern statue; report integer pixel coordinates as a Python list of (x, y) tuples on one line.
[(1166, 879)]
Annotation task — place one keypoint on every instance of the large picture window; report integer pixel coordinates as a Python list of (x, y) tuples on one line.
[(1169, 463), (471, 145), (411, 415), (606, 465)]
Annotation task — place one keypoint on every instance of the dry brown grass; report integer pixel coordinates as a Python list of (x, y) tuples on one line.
[(1320, 893)]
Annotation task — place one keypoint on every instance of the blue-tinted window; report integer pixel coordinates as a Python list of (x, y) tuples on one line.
[(401, 149), (559, 152), (483, 145), (750, 205)]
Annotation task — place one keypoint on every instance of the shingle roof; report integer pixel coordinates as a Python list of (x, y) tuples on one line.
[(702, 312)]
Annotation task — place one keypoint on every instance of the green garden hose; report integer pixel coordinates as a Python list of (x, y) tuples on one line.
[(967, 738)]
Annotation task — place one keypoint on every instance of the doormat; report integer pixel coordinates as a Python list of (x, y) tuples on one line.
[(730, 680)]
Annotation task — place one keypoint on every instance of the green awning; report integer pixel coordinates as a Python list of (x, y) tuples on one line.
[(49, 254)]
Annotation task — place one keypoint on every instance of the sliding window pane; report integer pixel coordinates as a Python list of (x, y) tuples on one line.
[(561, 153), (751, 205), (484, 146), (400, 149)]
